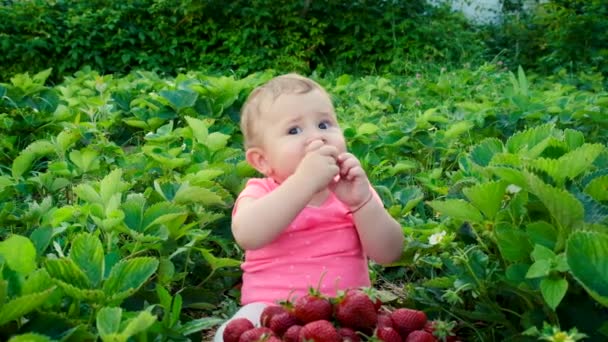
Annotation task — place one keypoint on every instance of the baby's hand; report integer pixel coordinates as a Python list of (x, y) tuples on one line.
[(319, 166), (353, 186)]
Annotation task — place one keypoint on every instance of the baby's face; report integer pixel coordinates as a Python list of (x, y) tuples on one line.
[(293, 121)]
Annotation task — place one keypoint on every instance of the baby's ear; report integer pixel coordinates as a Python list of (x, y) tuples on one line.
[(256, 157)]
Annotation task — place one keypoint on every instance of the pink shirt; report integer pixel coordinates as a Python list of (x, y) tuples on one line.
[(320, 240)]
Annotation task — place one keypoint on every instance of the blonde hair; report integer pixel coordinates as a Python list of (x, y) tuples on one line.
[(267, 93)]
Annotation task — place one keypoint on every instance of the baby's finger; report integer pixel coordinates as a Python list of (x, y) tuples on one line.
[(314, 145), (355, 172), (348, 164), (328, 150)]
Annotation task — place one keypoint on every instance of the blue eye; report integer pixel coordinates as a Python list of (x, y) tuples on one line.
[(294, 130), (324, 125)]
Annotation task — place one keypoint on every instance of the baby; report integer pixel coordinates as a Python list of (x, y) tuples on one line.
[(314, 219)]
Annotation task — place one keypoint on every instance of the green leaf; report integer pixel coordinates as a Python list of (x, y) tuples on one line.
[(553, 290), (367, 129), (19, 254), (457, 208), (542, 233), (587, 256), (483, 152), (108, 321), (531, 142), (128, 276), (197, 325), (512, 243), (199, 129), (195, 194), (30, 337), (542, 253), (41, 237), (110, 185), (160, 213), (216, 141), (133, 209), (87, 193), (138, 324), (409, 197), (85, 159), (565, 209), (21, 306), (179, 99), (457, 129), (538, 269), (68, 272), (87, 253), (487, 197), (26, 157), (598, 188), (216, 263), (66, 138), (571, 164)]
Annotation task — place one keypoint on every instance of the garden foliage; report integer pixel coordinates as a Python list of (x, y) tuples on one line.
[(116, 194)]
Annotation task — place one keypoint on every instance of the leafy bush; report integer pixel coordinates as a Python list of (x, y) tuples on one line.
[(236, 36), (571, 34)]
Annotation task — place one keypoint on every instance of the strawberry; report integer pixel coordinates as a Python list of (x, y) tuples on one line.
[(384, 320), (319, 331), (374, 295), (268, 312), (280, 322), (312, 307), (292, 334), (388, 334), (408, 320), (235, 328), (420, 336), (356, 310), (348, 335), (256, 334)]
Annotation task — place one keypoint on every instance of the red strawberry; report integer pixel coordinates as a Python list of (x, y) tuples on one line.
[(320, 331), (235, 328), (292, 334), (255, 334), (355, 310), (280, 322), (374, 295), (268, 312), (384, 320), (348, 335), (420, 336), (408, 320), (387, 334), (312, 307)]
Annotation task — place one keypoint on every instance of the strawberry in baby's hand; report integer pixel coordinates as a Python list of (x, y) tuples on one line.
[(235, 328), (407, 320), (354, 309), (320, 331)]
